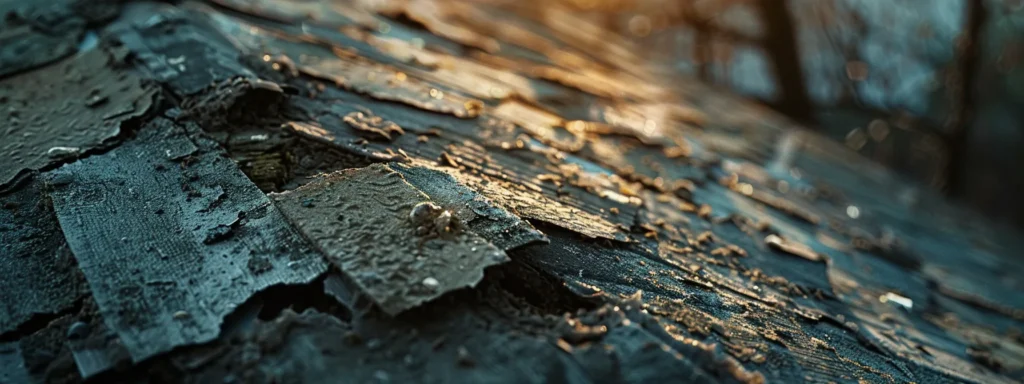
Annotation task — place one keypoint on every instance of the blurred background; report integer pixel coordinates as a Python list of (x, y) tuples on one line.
[(932, 89)]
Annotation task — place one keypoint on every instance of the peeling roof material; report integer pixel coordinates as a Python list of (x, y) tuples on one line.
[(39, 277), (42, 130), (212, 238), (360, 220)]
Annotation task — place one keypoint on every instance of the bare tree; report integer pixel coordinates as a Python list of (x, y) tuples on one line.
[(780, 43)]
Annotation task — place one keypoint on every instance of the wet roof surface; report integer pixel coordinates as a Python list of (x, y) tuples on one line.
[(296, 191)]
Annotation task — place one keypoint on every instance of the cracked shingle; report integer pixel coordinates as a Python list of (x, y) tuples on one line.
[(42, 130), (172, 283)]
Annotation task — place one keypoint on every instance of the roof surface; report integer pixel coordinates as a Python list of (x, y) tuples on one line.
[(296, 191)]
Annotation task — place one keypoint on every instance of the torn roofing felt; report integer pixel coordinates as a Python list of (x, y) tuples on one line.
[(363, 222), (212, 238), (42, 130)]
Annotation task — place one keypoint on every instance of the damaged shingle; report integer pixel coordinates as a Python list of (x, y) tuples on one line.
[(375, 126), (33, 34), (360, 219), (385, 83), (531, 205), (39, 275), (168, 285), (42, 130), (74, 346), (232, 101), (472, 336), (176, 47)]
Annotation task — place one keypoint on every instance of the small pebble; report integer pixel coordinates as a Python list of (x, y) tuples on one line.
[(423, 211)]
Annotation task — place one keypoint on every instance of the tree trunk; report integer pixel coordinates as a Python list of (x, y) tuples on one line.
[(962, 94), (780, 43)]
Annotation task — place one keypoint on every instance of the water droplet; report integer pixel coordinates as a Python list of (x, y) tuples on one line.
[(431, 282)]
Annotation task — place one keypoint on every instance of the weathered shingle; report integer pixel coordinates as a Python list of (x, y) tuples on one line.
[(209, 238), (39, 273), (361, 220), (42, 130)]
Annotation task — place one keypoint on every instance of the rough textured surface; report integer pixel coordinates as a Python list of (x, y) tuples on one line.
[(43, 130), (32, 35), (175, 47), (209, 229), (40, 277), (612, 223), (360, 220), (12, 366), (483, 335)]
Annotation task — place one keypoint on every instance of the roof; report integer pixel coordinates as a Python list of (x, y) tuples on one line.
[(265, 191)]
